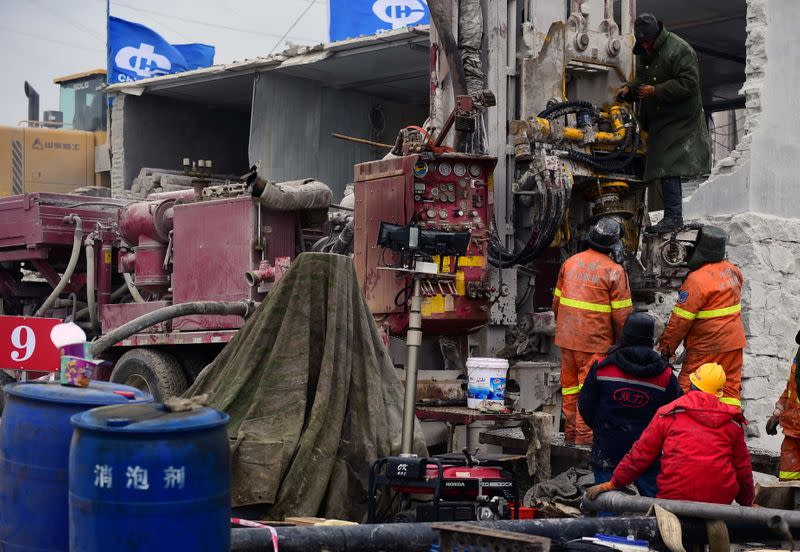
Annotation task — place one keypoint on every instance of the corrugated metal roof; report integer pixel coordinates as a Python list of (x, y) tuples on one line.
[(289, 60)]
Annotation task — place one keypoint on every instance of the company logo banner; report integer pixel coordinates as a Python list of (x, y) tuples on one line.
[(352, 18), (137, 52)]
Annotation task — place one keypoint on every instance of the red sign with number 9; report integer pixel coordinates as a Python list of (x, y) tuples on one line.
[(25, 344)]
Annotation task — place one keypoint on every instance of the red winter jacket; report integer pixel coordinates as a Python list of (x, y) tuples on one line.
[(703, 454)]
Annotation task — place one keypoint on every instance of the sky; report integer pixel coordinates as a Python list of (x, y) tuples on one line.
[(44, 39)]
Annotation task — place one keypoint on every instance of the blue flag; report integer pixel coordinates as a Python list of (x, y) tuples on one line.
[(352, 18), (136, 52)]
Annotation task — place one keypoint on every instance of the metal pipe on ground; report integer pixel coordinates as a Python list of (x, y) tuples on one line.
[(616, 501), (221, 308), (418, 537)]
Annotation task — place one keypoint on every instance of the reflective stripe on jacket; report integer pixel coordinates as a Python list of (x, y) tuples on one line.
[(591, 301), (707, 314), (788, 406)]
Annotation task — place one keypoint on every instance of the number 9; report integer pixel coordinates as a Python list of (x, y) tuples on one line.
[(27, 343)]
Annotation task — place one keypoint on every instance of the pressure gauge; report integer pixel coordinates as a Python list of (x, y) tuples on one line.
[(450, 188), (445, 169), (443, 214), (434, 193), (431, 214), (460, 169), (451, 197), (474, 170)]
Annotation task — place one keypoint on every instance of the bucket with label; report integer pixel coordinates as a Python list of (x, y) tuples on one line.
[(487, 381)]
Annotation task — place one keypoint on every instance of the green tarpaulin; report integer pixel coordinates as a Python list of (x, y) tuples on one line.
[(312, 395)]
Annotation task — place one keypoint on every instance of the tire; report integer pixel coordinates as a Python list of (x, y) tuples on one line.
[(156, 372)]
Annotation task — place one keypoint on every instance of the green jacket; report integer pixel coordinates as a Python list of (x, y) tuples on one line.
[(678, 141)]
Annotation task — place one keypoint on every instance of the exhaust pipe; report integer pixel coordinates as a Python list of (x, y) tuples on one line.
[(33, 102)]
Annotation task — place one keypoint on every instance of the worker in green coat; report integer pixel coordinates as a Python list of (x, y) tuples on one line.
[(667, 84)]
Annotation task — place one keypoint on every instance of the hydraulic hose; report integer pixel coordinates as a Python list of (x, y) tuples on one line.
[(77, 240), (567, 107), (219, 308), (91, 272), (134, 291), (116, 294)]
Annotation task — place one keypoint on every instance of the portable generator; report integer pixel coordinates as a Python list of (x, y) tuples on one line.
[(448, 488)]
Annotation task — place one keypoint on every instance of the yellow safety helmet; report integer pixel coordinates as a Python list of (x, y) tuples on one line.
[(709, 378)]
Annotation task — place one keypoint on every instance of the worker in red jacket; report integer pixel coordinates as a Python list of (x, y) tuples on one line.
[(591, 301), (787, 414), (707, 315), (704, 457)]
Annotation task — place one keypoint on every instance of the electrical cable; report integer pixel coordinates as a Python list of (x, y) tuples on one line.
[(293, 25), (207, 24)]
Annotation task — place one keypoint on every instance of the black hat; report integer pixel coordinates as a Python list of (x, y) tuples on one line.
[(709, 248), (604, 235), (639, 329), (646, 28)]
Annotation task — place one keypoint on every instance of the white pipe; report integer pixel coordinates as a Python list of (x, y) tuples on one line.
[(91, 272), (137, 297), (73, 262)]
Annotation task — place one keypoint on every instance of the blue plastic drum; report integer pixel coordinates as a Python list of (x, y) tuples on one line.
[(35, 436), (142, 478)]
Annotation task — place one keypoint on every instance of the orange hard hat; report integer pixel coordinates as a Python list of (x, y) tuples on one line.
[(710, 378)]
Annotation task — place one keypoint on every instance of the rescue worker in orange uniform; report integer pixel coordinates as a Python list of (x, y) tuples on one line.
[(707, 315), (592, 299), (787, 414)]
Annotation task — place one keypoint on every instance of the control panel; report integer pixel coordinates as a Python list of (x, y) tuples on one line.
[(440, 194)]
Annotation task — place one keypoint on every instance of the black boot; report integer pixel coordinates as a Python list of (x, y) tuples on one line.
[(673, 206)]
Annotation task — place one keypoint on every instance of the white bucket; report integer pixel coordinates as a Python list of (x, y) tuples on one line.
[(487, 381)]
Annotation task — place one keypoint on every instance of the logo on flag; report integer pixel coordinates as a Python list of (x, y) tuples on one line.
[(137, 52), (353, 18)]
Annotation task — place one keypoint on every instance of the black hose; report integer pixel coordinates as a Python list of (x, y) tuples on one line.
[(568, 107), (220, 308)]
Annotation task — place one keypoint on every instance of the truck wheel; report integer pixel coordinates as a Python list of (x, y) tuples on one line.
[(156, 372)]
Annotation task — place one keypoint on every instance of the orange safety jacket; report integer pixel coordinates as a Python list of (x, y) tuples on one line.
[(592, 299), (707, 315), (788, 409)]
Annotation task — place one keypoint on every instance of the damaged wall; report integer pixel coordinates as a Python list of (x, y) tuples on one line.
[(754, 196), (293, 120), (155, 131)]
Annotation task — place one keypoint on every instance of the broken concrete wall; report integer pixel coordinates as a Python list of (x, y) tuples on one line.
[(767, 248), (754, 196), (155, 131)]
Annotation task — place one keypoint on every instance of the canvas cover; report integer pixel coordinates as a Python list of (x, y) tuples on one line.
[(312, 395)]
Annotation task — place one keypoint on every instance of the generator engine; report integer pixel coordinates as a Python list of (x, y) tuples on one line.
[(403, 489), (445, 199)]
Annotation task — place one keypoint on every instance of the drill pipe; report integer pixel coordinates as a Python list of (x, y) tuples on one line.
[(616, 501), (418, 537)]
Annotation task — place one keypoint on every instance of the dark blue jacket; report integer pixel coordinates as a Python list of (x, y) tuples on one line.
[(619, 398)]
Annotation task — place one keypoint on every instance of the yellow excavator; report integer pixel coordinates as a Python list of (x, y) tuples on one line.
[(66, 149)]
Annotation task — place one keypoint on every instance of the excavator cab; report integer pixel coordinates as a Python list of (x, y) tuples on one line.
[(82, 102)]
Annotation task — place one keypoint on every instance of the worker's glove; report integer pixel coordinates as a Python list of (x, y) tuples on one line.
[(772, 425), (622, 93), (646, 91), (593, 492)]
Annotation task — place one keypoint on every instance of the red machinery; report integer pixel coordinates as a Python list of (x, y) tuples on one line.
[(224, 247), (448, 192)]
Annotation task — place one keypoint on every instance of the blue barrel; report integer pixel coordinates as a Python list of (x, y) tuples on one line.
[(35, 436), (143, 478)]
